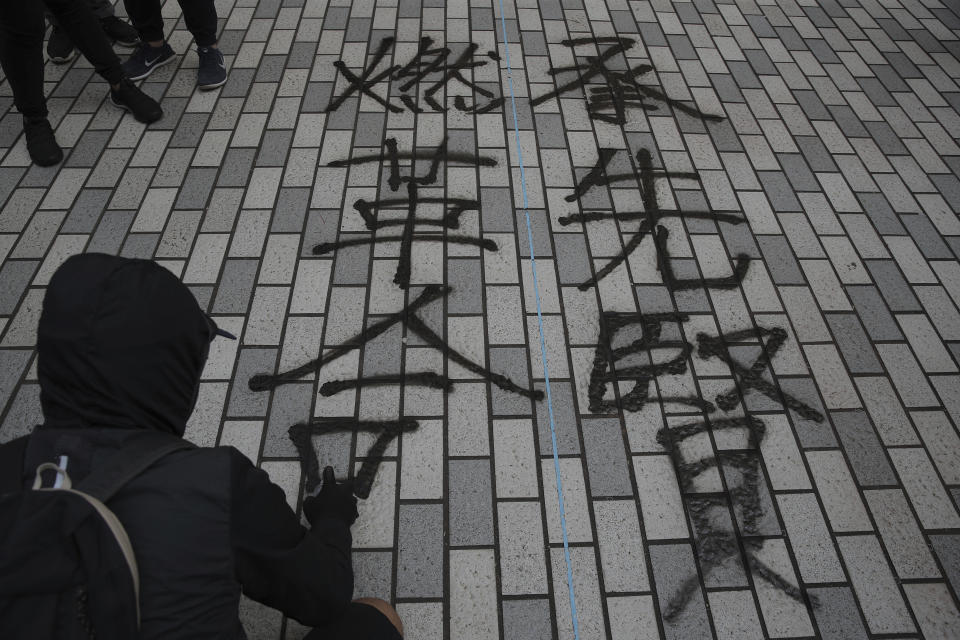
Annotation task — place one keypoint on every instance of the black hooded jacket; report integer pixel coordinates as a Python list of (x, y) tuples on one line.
[(121, 347)]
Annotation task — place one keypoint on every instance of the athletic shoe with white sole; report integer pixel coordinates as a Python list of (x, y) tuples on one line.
[(146, 59), (212, 72)]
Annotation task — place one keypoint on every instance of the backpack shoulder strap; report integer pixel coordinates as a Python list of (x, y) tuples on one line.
[(11, 464), (130, 461)]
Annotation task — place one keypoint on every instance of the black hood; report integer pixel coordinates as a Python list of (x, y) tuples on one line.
[(121, 343)]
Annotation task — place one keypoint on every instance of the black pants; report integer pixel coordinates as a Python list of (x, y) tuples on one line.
[(100, 8), (21, 47), (200, 16)]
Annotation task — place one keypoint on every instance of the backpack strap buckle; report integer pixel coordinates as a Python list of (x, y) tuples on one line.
[(49, 466)]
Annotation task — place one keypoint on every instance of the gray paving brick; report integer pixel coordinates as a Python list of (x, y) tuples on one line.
[(110, 232), (780, 261), (875, 315), (236, 287), (672, 564), (565, 420), (15, 276), (892, 286), (607, 465), (863, 448), (837, 616), (463, 276), (23, 414), (510, 362), (420, 558), (372, 574), (471, 509), (140, 245), (527, 620), (243, 402), (13, 362), (352, 264), (291, 405)]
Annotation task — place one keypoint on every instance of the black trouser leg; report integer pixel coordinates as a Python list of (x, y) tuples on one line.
[(85, 32), (146, 18), (21, 54), (100, 8), (201, 19)]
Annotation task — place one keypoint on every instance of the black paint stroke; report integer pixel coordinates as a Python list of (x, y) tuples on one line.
[(407, 318), (424, 379), (752, 377), (369, 211), (621, 90), (649, 222), (302, 436), (366, 81), (427, 61), (606, 356), (715, 547)]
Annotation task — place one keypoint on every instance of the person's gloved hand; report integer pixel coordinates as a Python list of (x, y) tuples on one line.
[(332, 500)]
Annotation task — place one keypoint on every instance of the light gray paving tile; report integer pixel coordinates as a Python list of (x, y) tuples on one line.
[(935, 610), (621, 546), (522, 563), (875, 587), (901, 534), (841, 501), (906, 375), (809, 538), (473, 594), (783, 616), (942, 442), (575, 501), (928, 496), (585, 583)]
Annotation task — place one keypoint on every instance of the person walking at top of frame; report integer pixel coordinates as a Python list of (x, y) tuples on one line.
[(60, 47), (21, 56), (154, 52)]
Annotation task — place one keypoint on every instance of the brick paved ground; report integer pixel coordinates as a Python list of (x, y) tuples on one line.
[(812, 143)]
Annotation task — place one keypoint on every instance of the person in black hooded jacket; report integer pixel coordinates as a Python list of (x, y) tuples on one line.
[(121, 347)]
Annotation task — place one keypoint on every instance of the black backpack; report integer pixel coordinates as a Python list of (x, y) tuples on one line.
[(67, 570)]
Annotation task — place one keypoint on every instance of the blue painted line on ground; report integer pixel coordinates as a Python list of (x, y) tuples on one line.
[(543, 347)]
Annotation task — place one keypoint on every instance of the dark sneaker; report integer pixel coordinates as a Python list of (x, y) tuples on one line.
[(41, 144), (60, 48), (146, 59), (120, 32), (212, 72), (128, 96)]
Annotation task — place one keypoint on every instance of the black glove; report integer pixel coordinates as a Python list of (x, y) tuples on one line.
[(333, 499)]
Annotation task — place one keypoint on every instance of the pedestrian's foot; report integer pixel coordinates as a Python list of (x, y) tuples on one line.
[(120, 32), (129, 96), (146, 59), (60, 48), (212, 72), (41, 144)]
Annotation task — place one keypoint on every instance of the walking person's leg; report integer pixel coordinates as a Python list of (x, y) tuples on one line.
[(153, 52), (21, 56), (60, 48), (200, 17)]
